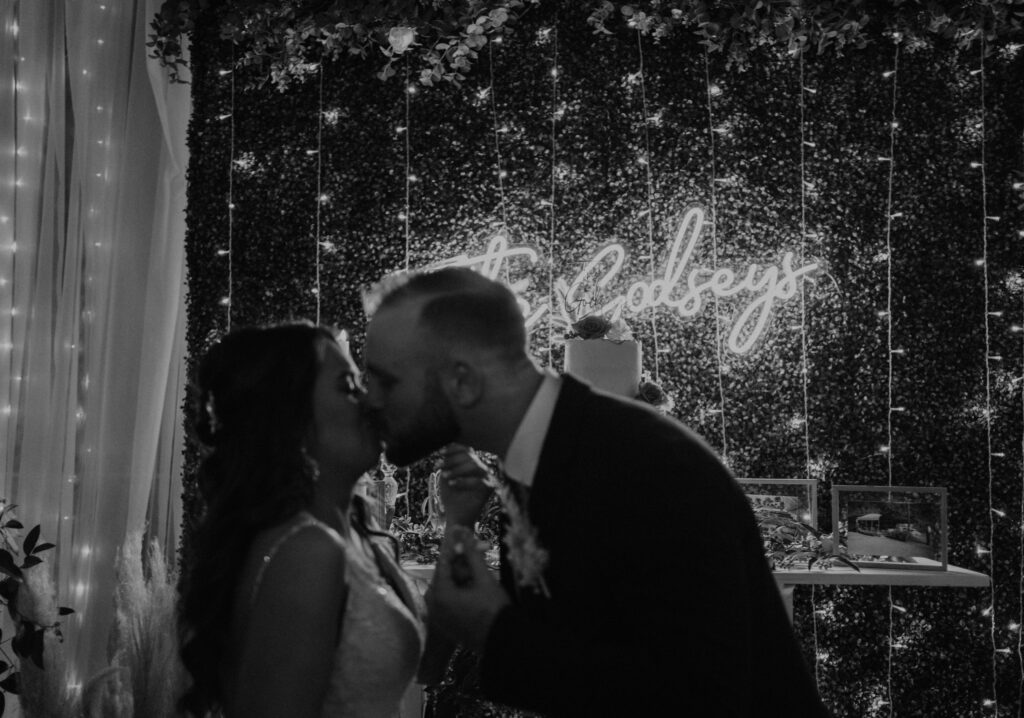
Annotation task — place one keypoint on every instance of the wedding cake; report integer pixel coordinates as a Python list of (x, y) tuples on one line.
[(612, 366)]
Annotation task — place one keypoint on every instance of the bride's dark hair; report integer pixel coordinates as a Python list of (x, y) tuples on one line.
[(253, 404)]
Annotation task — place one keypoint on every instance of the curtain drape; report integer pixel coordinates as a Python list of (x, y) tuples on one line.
[(92, 195)]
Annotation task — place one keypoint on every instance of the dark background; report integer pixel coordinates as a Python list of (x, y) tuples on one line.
[(960, 406)]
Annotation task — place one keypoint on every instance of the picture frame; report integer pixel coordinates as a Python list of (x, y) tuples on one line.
[(797, 497), (895, 527)]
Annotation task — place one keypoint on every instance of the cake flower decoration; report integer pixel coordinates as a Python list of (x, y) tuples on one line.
[(581, 320), (591, 327), (595, 326), (651, 392)]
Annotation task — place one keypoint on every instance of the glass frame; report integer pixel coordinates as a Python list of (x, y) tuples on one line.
[(806, 490), (930, 521)]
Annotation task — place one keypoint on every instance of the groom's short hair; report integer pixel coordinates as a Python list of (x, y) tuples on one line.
[(459, 305)]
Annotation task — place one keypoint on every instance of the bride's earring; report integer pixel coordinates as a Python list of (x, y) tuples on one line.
[(314, 467)]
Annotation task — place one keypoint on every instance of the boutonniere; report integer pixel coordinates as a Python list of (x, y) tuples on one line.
[(525, 553)]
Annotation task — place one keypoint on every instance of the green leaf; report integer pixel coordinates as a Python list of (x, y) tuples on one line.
[(64, 610), (7, 564), (21, 643), (12, 683), (14, 524), (42, 547), (9, 588), (30, 540), (31, 561)]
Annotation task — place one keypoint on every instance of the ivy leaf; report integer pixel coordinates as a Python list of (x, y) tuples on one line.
[(7, 564), (21, 643), (30, 540), (12, 683), (9, 588)]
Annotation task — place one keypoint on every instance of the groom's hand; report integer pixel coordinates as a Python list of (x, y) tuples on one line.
[(465, 486), (464, 598)]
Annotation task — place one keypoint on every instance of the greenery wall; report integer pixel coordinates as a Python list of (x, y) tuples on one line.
[(956, 373)]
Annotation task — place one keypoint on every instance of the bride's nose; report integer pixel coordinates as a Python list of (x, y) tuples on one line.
[(371, 397)]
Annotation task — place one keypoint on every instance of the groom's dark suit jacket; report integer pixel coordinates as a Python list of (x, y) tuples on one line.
[(662, 602)]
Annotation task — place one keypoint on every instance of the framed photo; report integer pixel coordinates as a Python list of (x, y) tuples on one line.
[(892, 526), (797, 497)]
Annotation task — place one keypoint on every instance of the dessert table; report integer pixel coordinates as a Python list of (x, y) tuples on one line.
[(787, 579), (952, 577)]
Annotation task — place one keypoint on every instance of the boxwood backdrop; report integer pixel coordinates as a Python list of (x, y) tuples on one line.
[(895, 168)]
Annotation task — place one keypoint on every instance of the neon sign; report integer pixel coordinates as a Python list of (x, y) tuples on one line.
[(679, 287)]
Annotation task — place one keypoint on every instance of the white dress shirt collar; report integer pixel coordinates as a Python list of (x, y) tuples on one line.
[(521, 459)]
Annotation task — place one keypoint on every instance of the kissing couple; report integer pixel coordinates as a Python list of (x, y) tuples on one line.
[(632, 581)]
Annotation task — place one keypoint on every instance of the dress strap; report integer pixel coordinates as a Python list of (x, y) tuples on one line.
[(292, 530)]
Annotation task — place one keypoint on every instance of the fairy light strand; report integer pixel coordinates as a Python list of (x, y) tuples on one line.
[(409, 89), (499, 171), (714, 253), (231, 191), (1020, 530), (320, 199), (988, 387), (803, 332), (8, 400), (554, 181), (803, 254), (893, 123), (893, 74), (497, 135), (650, 199)]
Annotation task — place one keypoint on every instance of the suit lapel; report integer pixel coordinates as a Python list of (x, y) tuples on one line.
[(549, 495)]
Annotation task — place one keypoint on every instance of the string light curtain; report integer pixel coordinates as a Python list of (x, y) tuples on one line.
[(91, 294)]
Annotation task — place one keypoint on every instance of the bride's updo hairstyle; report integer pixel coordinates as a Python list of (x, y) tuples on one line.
[(252, 404)]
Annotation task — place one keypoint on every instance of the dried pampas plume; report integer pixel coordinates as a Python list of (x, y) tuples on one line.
[(145, 674)]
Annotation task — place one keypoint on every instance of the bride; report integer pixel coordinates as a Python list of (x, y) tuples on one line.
[(292, 603)]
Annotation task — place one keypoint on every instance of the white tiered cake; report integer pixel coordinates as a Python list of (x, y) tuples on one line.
[(607, 365)]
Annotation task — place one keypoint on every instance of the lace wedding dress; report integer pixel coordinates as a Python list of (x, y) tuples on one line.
[(382, 635)]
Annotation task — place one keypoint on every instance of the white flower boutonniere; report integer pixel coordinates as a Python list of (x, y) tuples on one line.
[(525, 553)]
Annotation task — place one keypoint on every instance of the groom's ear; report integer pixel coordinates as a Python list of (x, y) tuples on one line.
[(463, 384)]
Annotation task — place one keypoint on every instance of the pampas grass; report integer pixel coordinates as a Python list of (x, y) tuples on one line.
[(148, 679), (145, 675), (108, 695)]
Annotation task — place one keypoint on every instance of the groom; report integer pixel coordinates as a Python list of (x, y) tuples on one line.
[(647, 591)]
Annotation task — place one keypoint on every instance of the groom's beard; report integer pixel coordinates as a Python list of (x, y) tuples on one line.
[(432, 427)]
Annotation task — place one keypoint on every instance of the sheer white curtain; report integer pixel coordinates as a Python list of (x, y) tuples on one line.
[(91, 292)]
